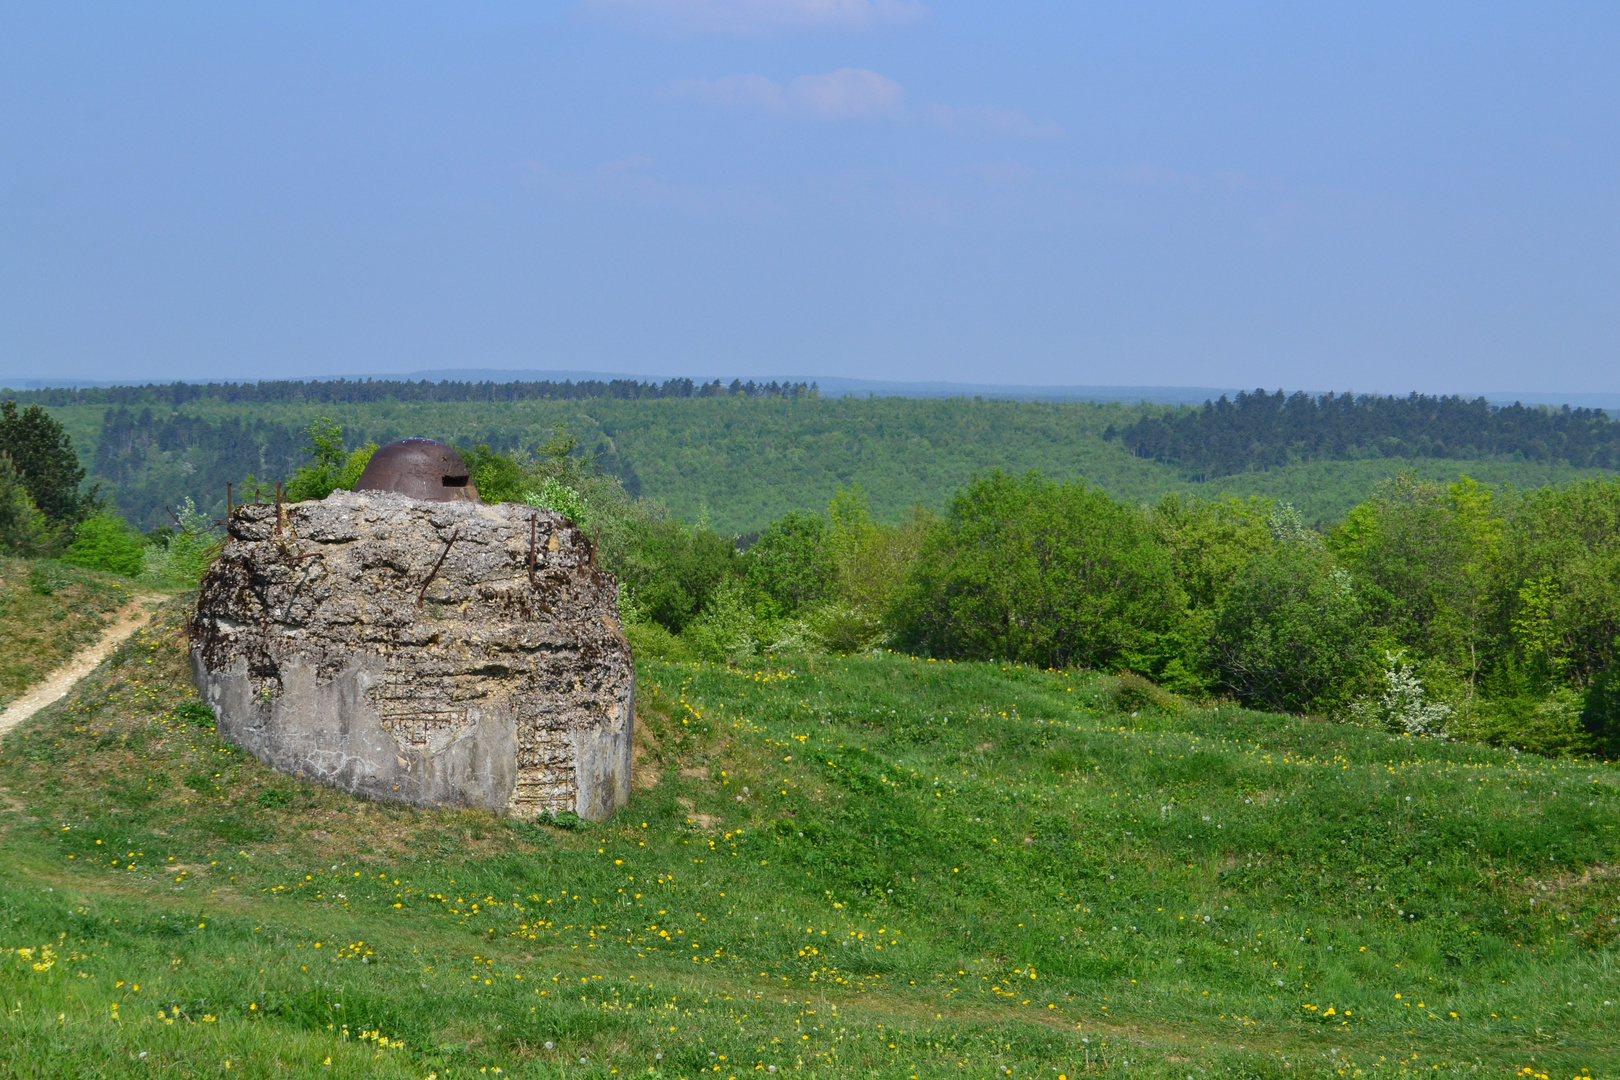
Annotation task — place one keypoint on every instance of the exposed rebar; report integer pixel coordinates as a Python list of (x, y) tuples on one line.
[(434, 572)]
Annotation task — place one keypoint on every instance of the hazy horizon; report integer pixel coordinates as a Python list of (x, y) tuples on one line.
[(839, 386)]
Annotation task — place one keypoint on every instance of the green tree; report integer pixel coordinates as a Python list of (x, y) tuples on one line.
[(1600, 712), (331, 467), (674, 571), (1289, 635), (1422, 556), (791, 566), (1556, 596), (1209, 542), (1030, 570), (873, 561), (23, 529), (42, 453), (498, 477)]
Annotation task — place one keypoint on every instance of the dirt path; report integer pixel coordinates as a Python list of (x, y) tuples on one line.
[(60, 681)]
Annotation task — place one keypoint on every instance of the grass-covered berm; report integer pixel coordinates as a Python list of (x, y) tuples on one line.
[(48, 610), (870, 866)]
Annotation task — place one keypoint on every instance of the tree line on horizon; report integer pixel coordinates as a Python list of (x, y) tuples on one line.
[(1260, 430), (365, 391)]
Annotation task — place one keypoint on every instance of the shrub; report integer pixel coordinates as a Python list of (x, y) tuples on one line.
[(106, 542), (188, 553), (795, 636), (556, 476), (1549, 723), (552, 494), (46, 579), (727, 630), (498, 477), (845, 629), (1130, 693), (649, 641)]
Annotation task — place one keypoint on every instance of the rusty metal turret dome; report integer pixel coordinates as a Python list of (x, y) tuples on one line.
[(421, 468)]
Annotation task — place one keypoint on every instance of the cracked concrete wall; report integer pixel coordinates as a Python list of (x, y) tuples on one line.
[(444, 654)]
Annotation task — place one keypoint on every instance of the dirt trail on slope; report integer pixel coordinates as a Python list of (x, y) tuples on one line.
[(59, 682)]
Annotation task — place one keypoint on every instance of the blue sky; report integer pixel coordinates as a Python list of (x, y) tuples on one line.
[(1359, 196)]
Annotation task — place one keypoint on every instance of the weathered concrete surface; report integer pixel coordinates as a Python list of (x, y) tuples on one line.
[(507, 689)]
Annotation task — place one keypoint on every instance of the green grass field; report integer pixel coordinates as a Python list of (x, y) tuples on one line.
[(1065, 875)]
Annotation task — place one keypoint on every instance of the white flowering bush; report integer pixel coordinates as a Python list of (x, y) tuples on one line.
[(631, 610), (796, 636), (844, 628), (1288, 527), (1402, 706)]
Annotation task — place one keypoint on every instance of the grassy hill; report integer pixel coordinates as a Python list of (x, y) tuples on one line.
[(741, 462), (1064, 875)]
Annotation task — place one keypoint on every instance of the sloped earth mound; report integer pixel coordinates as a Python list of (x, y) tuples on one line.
[(871, 866)]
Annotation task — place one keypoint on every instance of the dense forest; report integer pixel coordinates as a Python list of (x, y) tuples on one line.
[(734, 460), (206, 455), (1261, 431)]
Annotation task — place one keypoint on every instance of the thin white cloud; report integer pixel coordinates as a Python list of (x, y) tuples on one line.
[(980, 120), (845, 94), (853, 94), (848, 94), (750, 18)]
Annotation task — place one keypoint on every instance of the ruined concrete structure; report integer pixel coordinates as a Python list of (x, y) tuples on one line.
[(434, 652)]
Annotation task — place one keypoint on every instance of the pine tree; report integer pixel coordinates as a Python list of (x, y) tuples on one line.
[(43, 455)]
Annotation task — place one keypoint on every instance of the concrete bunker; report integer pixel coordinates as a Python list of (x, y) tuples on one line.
[(439, 651)]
